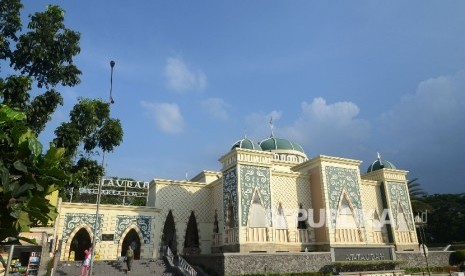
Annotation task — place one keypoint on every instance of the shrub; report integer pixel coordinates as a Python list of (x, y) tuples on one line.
[(365, 266), (460, 255)]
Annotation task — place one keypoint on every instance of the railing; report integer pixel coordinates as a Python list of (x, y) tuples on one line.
[(403, 237), (303, 235), (181, 263), (257, 234), (186, 268), (347, 235), (217, 239), (281, 235), (231, 236), (378, 237), (169, 256)]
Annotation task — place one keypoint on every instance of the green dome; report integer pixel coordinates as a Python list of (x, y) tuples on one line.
[(274, 143), (246, 144), (379, 164)]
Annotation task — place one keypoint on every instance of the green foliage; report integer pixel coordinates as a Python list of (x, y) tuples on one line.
[(41, 60), (417, 196), (435, 269), (91, 125), (365, 266), (26, 176), (447, 212), (459, 255), (46, 51)]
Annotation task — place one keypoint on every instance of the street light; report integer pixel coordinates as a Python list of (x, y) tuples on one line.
[(419, 223), (99, 193)]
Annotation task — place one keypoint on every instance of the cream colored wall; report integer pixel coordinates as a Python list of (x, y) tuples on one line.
[(107, 250), (372, 200), (217, 194), (290, 190), (183, 197)]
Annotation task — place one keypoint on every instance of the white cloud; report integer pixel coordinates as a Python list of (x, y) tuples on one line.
[(426, 132), (332, 129), (180, 78), (217, 108), (167, 116)]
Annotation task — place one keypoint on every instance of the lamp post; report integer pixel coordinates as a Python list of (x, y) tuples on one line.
[(419, 223), (99, 193)]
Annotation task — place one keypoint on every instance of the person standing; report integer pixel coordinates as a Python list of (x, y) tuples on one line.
[(86, 263), (129, 257)]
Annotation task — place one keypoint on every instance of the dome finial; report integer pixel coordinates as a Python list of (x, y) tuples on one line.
[(271, 126), (379, 159)]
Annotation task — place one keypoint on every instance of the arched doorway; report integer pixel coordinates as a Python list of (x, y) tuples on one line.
[(191, 241), (169, 233), (131, 238), (80, 242)]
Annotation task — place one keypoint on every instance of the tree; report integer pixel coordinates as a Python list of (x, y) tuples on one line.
[(40, 60), (91, 127), (447, 214), (417, 196), (26, 175)]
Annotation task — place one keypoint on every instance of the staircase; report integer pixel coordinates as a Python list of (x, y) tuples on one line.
[(104, 268)]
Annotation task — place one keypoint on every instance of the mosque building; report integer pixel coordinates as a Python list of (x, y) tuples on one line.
[(268, 197)]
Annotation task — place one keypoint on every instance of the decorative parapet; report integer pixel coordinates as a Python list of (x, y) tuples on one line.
[(246, 157), (386, 174)]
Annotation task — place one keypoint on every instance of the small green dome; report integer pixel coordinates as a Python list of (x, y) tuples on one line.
[(379, 164), (246, 144), (274, 143)]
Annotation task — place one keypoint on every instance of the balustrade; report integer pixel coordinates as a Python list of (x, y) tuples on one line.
[(217, 239), (347, 235)]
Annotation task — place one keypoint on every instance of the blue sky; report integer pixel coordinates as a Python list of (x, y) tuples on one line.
[(342, 78)]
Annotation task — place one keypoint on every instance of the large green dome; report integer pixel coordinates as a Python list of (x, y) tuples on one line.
[(379, 164), (246, 144), (273, 144)]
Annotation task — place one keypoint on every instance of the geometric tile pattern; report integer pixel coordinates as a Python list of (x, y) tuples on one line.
[(253, 178), (72, 220), (182, 200), (217, 193), (230, 194), (371, 198), (398, 194), (142, 222), (290, 192), (341, 180)]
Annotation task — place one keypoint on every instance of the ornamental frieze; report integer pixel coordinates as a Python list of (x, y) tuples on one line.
[(142, 222), (73, 220)]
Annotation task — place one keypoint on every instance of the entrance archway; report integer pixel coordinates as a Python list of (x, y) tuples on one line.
[(131, 238), (169, 233), (191, 241), (81, 241)]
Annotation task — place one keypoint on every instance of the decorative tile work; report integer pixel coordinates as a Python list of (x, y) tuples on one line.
[(398, 193), (251, 178), (184, 199), (217, 193), (371, 198), (290, 192), (230, 191), (339, 180), (73, 220), (142, 222)]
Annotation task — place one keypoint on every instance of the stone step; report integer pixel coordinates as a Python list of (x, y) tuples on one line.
[(101, 268)]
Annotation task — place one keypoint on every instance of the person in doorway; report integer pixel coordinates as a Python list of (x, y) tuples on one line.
[(129, 257), (86, 263)]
